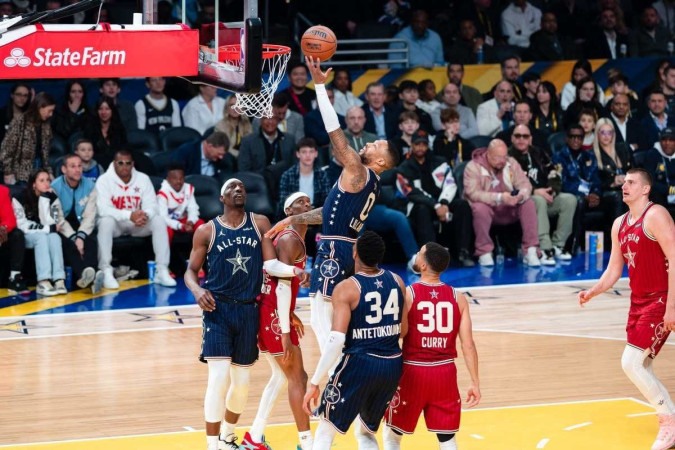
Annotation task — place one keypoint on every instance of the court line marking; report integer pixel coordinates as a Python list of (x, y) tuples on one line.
[(477, 436), (579, 425), (170, 433), (641, 414), (543, 443)]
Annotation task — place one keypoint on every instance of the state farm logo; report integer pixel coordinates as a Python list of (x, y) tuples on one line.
[(47, 57), (17, 57)]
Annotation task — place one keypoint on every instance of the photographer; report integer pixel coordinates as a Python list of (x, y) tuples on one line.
[(549, 201)]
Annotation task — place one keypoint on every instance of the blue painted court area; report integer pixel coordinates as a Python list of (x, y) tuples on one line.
[(148, 295)]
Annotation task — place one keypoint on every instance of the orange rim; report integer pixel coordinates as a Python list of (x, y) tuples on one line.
[(233, 52)]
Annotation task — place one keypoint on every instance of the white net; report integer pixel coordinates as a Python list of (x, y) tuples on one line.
[(275, 59)]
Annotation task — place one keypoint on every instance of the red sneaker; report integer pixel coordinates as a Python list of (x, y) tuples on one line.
[(248, 444)]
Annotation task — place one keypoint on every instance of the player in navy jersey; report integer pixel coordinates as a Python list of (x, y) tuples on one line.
[(437, 315), (346, 208), (236, 252), (368, 319), (644, 239), (278, 339)]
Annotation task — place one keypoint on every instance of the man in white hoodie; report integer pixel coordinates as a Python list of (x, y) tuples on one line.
[(127, 205)]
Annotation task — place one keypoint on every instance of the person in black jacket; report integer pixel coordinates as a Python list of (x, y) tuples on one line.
[(660, 163), (437, 213)]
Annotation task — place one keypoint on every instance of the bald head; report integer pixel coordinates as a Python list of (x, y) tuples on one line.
[(496, 154), (356, 120)]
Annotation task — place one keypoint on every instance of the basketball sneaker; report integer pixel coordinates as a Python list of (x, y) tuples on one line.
[(666, 437), (224, 444), (248, 444)]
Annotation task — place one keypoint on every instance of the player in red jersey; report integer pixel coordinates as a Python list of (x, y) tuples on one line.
[(644, 238), (437, 314), (279, 331)]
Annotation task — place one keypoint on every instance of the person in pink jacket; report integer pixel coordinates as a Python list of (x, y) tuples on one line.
[(499, 192)]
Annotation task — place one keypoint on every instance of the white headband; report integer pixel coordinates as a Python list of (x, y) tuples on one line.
[(231, 180), (293, 197)]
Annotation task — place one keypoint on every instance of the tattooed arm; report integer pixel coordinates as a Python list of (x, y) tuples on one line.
[(354, 173), (312, 217)]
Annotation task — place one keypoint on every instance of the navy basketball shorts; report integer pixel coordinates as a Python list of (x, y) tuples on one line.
[(333, 263), (361, 385), (231, 332)]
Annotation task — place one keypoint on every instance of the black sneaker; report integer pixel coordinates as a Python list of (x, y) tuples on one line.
[(465, 258), (18, 285)]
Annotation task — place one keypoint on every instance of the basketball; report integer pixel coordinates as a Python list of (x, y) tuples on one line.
[(319, 42)]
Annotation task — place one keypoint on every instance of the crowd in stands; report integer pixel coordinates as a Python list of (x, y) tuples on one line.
[(86, 171)]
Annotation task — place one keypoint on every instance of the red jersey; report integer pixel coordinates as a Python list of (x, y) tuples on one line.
[(268, 292), (433, 324), (647, 265)]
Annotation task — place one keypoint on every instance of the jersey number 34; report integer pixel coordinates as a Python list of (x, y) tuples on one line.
[(390, 308)]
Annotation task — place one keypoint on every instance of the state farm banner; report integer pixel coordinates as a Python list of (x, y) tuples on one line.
[(72, 51)]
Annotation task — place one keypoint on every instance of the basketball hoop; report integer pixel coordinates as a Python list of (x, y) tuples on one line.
[(275, 58)]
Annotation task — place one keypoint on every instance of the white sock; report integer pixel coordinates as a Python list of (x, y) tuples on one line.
[(212, 442), (227, 431), (448, 445), (391, 440), (13, 273), (306, 440), (365, 439), (323, 438)]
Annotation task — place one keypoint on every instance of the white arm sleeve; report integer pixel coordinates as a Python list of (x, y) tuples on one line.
[(278, 269), (283, 292), (328, 114), (330, 354)]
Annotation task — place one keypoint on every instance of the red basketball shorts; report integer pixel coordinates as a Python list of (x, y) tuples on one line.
[(269, 333), (432, 389)]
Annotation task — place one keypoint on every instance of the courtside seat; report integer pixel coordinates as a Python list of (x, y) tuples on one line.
[(557, 141), (258, 198), (142, 141), (162, 160), (172, 138), (207, 195)]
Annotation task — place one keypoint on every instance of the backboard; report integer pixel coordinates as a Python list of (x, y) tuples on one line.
[(216, 69)]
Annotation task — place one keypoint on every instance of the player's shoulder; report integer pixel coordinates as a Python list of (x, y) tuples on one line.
[(658, 211)]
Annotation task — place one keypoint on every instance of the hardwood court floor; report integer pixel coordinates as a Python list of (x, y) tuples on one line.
[(134, 372)]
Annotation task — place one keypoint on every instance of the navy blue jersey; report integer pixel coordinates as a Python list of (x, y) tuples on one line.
[(375, 325), (235, 260), (158, 120), (344, 213)]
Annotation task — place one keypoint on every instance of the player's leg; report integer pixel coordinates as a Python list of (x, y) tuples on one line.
[(274, 387), (391, 438), (219, 374), (321, 318), (364, 437), (297, 385), (324, 436), (447, 441)]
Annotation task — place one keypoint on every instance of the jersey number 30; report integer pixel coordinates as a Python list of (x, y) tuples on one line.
[(435, 317), (390, 308)]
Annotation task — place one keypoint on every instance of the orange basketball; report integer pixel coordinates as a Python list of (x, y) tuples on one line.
[(319, 42)]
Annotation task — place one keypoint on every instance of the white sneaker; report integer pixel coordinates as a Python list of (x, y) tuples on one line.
[(97, 285), (45, 289), (532, 258), (547, 258), (486, 260), (60, 287), (163, 277), (562, 255), (109, 281), (86, 278), (666, 437)]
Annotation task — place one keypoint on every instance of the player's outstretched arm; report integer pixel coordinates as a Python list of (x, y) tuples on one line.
[(312, 217), (200, 245), (660, 225), (469, 351), (613, 271), (342, 152)]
